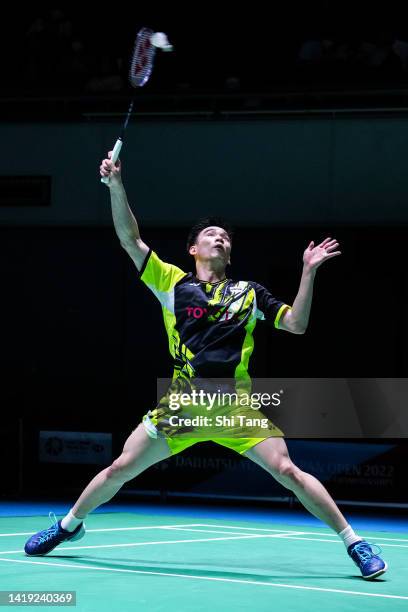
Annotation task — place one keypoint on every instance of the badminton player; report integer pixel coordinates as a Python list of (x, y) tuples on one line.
[(209, 320)]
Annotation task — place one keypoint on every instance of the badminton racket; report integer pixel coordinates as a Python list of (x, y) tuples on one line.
[(141, 67)]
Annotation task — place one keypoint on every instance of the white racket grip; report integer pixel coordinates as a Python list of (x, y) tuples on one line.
[(115, 155)]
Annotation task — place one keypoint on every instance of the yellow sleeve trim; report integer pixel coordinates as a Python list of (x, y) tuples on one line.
[(279, 314), (159, 275)]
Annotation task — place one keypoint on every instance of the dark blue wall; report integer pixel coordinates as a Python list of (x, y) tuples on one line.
[(283, 171)]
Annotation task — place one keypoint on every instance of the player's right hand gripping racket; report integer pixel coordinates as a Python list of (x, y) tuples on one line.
[(141, 67)]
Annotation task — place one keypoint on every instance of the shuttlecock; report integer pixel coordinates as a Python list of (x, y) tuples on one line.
[(160, 40)]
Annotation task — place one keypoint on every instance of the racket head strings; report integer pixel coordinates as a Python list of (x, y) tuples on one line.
[(141, 64)]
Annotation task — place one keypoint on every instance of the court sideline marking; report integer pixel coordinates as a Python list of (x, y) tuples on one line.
[(211, 578)]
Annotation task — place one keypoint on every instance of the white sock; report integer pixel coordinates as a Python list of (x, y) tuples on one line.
[(71, 522), (348, 536)]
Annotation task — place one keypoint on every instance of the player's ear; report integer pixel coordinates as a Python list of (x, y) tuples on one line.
[(193, 250)]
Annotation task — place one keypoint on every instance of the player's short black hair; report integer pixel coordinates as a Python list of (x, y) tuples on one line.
[(208, 222)]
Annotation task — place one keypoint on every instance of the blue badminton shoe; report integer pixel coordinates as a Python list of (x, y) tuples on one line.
[(370, 563), (46, 540)]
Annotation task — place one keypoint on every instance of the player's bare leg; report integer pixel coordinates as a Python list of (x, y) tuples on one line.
[(139, 452), (272, 454)]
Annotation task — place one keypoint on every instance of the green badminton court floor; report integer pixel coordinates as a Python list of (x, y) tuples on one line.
[(131, 561)]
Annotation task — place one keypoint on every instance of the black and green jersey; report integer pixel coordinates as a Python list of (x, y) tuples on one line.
[(209, 325)]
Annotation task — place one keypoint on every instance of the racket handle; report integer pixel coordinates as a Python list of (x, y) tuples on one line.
[(114, 157)]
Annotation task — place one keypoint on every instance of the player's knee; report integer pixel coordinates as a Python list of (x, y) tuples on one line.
[(119, 470), (288, 473)]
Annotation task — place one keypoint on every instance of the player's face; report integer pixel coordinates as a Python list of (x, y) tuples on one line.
[(213, 243)]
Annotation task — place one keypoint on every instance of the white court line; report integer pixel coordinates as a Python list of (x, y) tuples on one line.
[(211, 578), (146, 527), (23, 533), (289, 537), (283, 533), (241, 536), (294, 535), (330, 535), (334, 535), (390, 539)]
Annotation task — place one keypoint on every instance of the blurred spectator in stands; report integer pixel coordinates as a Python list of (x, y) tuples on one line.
[(37, 65), (74, 68), (232, 84), (400, 48), (372, 55), (378, 58), (48, 45), (107, 75), (315, 58), (311, 52), (352, 60)]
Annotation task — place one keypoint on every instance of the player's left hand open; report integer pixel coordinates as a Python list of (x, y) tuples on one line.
[(314, 256)]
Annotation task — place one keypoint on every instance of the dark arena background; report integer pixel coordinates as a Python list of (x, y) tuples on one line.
[(293, 126)]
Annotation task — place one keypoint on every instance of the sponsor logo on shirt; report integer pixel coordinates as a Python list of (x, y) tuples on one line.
[(196, 312)]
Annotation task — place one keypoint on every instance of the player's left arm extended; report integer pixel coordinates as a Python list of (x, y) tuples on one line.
[(296, 319)]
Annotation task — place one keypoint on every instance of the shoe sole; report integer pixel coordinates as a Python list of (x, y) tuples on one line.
[(78, 536), (376, 574)]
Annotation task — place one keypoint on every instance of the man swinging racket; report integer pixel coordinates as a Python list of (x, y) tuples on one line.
[(209, 320)]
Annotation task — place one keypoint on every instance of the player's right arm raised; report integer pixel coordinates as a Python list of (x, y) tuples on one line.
[(124, 221)]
